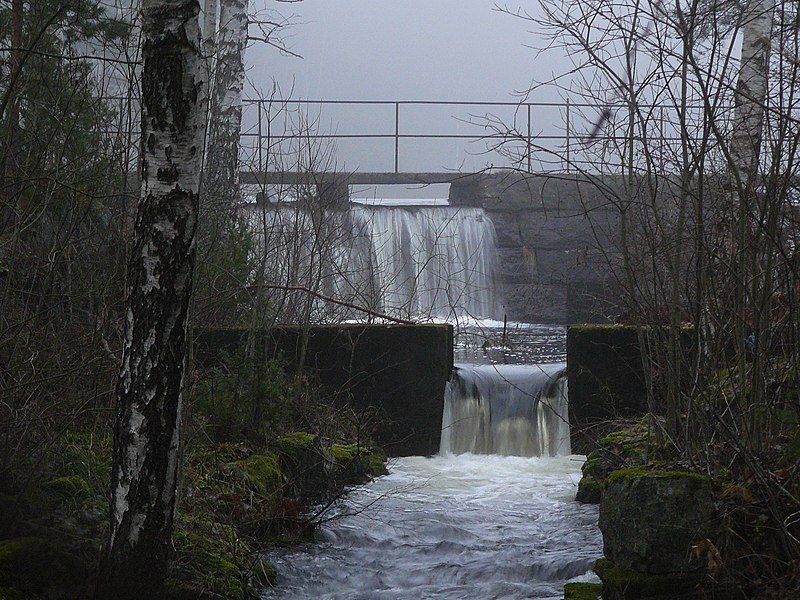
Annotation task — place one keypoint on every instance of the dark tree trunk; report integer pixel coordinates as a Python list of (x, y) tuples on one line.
[(146, 438)]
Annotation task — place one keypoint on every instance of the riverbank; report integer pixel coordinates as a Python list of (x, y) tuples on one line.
[(238, 500), (672, 529)]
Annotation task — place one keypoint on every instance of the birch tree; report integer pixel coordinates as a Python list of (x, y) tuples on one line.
[(222, 183), (751, 89), (160, 274), (751, 252)]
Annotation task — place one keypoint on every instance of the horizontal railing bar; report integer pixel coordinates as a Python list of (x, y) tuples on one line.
[(328, 136), (445, 103), (466, 103)]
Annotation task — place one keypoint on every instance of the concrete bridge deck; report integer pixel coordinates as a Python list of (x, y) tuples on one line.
[(355, 178)]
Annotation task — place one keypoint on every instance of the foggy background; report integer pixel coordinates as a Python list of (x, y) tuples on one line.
[(444, 50)]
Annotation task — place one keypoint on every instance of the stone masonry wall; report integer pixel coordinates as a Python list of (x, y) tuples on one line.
[(555, 237)]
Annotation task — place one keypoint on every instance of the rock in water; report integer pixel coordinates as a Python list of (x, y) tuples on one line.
[(651, 519)]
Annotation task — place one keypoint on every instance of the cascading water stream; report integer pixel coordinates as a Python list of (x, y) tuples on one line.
[(412, 262), (510, 410), (493, 515)]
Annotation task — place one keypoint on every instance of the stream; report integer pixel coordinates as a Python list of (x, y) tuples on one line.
[(465, 526)]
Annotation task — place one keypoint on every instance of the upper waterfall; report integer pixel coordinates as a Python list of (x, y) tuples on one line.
[(432, 261), (419, 262)]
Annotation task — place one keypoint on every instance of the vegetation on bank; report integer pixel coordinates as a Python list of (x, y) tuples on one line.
[(732, 551), (246, 487)]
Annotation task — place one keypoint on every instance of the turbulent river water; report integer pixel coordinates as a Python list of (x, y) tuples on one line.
[(455, 526)]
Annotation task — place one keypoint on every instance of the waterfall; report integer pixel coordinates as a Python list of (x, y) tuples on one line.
[(513, 410), (432, 261), (415, 262)]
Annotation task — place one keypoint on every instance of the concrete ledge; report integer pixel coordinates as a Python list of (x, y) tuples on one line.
[(400, 371), (606, 380), (355, 178)]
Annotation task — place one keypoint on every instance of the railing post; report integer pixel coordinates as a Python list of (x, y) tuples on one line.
[(663, 141), (396, 137), (261, 168), (569, 130), (529, 138)]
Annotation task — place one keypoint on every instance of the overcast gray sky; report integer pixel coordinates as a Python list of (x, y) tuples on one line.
[(408, 49), (405, 50)]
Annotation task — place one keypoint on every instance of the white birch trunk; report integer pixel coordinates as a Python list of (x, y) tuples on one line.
[(751, 89), (210, 23), (226, 114), (210, 8), (146, 439)]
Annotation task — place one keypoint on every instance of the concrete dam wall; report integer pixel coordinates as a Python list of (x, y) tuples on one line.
[(398, 372), (555, 238)]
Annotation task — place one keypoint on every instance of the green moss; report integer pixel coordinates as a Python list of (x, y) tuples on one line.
[(619, 582), (296, 440), (583, 591), (589, 490), (262, 472), (70, 487), (628, 474), (593, 466), (359, 460), (629, 440)]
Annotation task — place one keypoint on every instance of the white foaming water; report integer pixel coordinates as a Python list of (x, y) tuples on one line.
[(433, 261), (418, 262), (452, 527), (518, 410)]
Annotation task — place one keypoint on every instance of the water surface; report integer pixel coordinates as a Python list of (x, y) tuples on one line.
[(452, 527)]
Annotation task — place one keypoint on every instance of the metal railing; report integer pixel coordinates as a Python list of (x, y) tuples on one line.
[(567, 139), (264, 105), (580, 129)]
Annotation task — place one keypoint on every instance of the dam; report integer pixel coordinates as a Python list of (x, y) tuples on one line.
[(542, 243)]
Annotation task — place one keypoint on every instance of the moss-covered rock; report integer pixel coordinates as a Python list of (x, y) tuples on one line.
[(590, 491), (297, 441), (307, 466), (356, 464), (651, 519), (621, 583), (583, 591), (70, 487), (632, 446), (261, 472)]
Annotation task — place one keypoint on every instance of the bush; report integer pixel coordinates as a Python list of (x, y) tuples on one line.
[(242, 398)]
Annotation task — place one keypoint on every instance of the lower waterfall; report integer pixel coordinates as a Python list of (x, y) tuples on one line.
[(511, 410), (491, 516)]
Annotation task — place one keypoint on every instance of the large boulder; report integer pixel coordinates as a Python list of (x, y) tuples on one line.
[(619, 449), (651, 519), (307, 465)]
